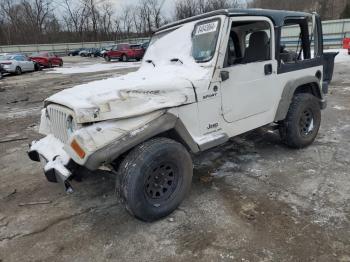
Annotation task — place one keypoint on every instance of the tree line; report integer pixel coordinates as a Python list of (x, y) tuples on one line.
[(58, 21), (328, 9)]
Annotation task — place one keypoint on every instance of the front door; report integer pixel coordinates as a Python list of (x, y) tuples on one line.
[(249, 69)]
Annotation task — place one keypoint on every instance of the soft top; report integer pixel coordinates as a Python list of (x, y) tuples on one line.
[(277, 16)]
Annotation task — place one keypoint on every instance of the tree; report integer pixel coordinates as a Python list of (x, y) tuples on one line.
[(188, 8), (346, 11)]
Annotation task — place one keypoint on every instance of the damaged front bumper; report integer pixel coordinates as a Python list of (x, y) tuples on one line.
[(57, 165)]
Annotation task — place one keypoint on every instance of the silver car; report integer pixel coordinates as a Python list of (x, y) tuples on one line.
[(16, 64)]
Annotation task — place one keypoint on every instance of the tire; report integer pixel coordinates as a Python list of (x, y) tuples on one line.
[(125, 58), (36, 67), (18, 71), (154, 178), (50, 65), (60, 64), (303, 121), (107, 58)]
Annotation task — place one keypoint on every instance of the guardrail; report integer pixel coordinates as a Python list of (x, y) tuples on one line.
[(334, 33), (63, 48)]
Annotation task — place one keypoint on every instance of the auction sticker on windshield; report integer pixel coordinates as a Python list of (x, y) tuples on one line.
[(207, 28)]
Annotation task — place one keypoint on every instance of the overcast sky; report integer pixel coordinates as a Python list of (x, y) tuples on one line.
[(167, 7)]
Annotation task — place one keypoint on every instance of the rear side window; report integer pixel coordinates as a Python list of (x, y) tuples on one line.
[(298, 38)]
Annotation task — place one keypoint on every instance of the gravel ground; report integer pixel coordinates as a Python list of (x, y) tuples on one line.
[(252, 199)]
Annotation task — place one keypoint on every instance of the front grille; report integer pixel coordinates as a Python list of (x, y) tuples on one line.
[(58, 121)]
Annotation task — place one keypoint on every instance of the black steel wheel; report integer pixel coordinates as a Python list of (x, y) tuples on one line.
[(161, 182), (306, 123)]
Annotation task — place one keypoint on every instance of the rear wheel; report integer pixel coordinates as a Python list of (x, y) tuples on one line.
[(49, 65), (60, 64), (303, 121), (18, 71), (154, 178)]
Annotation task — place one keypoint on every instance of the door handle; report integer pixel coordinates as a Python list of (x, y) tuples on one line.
[(268, 69)]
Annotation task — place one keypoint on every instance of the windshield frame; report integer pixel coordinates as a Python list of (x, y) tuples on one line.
[(159, 34), (205, 21)]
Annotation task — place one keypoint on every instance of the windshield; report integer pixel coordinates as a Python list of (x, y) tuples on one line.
[(198, 42)]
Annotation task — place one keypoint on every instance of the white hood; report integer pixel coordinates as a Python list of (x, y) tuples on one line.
[(162, 85)]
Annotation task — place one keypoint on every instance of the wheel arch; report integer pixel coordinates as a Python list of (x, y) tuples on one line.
[(167, 125), (308, 84)]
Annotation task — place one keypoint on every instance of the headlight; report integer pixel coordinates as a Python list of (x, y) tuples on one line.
[(71, 126)]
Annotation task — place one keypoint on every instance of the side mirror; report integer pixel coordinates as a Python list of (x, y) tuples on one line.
[(224, 75)]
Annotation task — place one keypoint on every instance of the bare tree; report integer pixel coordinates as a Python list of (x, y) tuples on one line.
[(188, 8)]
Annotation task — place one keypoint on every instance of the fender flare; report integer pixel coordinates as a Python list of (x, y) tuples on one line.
[(164, 123), (289, 90)]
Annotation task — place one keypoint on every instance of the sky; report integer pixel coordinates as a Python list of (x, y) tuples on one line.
[(167, 7)]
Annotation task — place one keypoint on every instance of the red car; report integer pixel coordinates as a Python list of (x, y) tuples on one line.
[(124, 52), (46, 59)]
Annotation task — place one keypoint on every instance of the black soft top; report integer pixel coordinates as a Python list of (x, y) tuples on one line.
[(277, 16)]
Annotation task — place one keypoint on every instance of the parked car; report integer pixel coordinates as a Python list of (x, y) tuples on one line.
[(205, 79), (94, 52), (16, 64), (75, 52), (125, 52), (46, 59), (37, 67), (84, 52)]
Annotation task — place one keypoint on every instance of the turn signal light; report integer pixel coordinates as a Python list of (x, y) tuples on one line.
[(80, 152)]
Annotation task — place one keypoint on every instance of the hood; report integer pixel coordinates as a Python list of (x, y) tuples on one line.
[(142, 92), (161, 82)]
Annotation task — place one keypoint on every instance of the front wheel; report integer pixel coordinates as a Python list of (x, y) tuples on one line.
[(60, 64), (154, 178), (107, 58), (303, 121)]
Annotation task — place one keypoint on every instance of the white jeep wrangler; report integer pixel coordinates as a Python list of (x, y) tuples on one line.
[(203, 80)]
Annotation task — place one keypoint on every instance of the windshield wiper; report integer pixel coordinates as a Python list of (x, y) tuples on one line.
[(151, 62), (176, 60)]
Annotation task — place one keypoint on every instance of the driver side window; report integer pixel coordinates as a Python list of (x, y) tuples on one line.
[(249, 42)]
